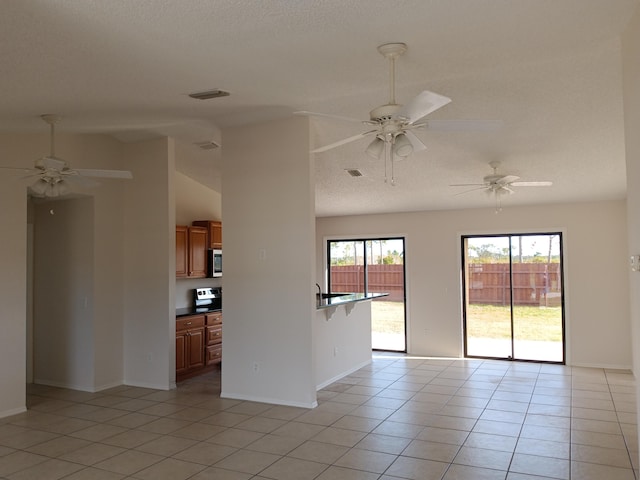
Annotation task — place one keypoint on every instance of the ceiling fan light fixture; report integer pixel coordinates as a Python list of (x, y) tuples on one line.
[(375, 148), (39, 188), (402, 147)]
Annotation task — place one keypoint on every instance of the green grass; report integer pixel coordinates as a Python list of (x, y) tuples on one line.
[(530, 323), (387, 317), (483, 321)]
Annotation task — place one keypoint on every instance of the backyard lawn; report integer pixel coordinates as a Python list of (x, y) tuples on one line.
[(529, 322), (483, 321)]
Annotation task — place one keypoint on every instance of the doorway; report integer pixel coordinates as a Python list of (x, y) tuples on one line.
[(373, 266), (513, 297)]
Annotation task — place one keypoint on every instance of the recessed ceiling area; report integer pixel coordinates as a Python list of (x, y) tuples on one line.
[(548, 72)]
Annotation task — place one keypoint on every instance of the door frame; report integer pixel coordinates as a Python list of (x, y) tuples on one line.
[(365, 238), (463, 277)]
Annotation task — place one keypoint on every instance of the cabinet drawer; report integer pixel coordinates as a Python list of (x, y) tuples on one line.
[(214, 318), (189, 322), (214, 354), (214, 334)]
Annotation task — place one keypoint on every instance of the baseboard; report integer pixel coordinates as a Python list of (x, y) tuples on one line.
[(342, 375), (603, 366), (69, 386), (272, 401), (148, 385), (13, 411)]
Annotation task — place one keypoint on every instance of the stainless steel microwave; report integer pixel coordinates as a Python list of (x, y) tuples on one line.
[(214, 263)]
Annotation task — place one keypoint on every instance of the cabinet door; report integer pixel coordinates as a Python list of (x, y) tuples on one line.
[(182, 258), (197, 252), (195, 345), (181, 352), (215, 231)]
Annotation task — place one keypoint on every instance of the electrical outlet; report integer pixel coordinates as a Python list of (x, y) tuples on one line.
[(255, 367)]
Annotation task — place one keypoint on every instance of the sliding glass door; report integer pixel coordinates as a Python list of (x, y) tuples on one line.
[(513, 300), (373, 266)]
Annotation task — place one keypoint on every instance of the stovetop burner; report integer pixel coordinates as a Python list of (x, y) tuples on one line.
[(210, 297)]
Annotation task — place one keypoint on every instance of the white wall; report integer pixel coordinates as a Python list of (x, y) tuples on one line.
[(596, 291), (64, 293), (149, 256), (631, 92), (103, 338), (194, 201), (269, 301), (13, 278), (631, 103), (342, 341)]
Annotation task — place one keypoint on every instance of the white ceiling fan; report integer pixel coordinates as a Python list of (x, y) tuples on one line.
[(497, 184), (393, 124), (53, 175)]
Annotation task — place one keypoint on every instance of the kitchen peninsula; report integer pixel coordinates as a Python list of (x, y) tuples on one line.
[(342, 334)]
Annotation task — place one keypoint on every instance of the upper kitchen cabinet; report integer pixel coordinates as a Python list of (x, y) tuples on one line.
[(191, 251), (215, 232)]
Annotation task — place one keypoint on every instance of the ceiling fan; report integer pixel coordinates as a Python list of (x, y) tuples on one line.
[(53, 175), (497, 184), (393, 124)]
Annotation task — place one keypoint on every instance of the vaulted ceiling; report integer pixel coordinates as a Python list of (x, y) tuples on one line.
[(549, 71)]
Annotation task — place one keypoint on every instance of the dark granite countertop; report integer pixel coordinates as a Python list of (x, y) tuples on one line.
[(344, 298), (186, 311)]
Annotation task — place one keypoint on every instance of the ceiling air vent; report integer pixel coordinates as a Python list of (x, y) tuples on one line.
[(215, 93), (208, 145), (354, 172)]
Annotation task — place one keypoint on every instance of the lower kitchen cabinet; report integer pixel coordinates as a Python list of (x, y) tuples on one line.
[(214, 338), (198, 343), (190, 344)]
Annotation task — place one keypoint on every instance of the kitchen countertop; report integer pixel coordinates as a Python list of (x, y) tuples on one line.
[(186, 311), (345, 298)]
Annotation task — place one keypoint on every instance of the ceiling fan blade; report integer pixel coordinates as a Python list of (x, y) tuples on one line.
[(18, 169), (531, 184), (81, 181), (327, 115), (91, 172), (464, 125), (417, 144), (422, 105), (507, 180), (469, 191), (469, 184), (343, 141), (505, 188)]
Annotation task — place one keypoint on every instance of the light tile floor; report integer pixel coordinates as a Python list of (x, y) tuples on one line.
[(401, 417)]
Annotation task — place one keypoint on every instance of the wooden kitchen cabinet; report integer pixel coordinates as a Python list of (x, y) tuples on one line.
[(191, 252), (213, 338), (182, 251), (214, 230), (190, 344)]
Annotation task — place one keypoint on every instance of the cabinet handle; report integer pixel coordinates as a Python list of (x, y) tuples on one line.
[(217, 334), (188, 323)]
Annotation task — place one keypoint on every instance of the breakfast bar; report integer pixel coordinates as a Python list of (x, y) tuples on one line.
[(342, 334)]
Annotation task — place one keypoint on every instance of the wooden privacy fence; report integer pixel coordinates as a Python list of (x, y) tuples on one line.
[(532, 283), (487, 283), (381, 278)]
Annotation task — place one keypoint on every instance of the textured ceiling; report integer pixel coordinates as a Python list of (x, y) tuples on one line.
[(549, 70)]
